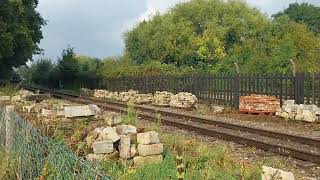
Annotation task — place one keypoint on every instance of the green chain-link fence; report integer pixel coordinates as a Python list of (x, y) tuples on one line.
[(35, 156)]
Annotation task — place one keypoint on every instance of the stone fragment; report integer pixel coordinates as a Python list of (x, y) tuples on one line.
[(183, 100), (148, 138), (108, 134), (124, 147), (23, 93), (112, 118), (152, 149), (299, 117), (126, 129), (285, 115), (270, 173), (217, 109), (102, 147), (81, 111), (162, 98), (309, 116), (94, 157), (141, 161), (91, 137), (27, 108), (4, 98), (46, 112), (16, 98), (133, 150), (288, 102)]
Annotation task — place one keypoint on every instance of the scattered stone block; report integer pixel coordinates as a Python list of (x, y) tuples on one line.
[(108, 134), (217, 109), (16, 98), (183, 100), (111, 118), (162, 98), (270, 173), (126, 129), (124, 147), (81, 111), (288, 102), (27, 108), (152, 149), (102, 147), (133, 150), (4, 98), (91, 137), (148, 138), (46, 112), (141, 161)]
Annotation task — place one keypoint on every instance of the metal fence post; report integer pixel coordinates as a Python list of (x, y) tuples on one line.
[(236, 89)]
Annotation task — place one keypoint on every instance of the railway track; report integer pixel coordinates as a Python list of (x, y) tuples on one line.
[(298, 147)]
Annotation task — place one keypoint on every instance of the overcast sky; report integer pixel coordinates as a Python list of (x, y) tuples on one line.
[(95, 27)]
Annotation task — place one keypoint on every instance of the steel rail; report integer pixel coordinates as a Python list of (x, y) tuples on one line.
[(221, 130)]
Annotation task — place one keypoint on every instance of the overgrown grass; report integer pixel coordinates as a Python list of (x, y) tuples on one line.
[(202, 161), (9, 90), (131, 117)]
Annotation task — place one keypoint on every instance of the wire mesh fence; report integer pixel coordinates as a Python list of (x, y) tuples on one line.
[(31, 155)]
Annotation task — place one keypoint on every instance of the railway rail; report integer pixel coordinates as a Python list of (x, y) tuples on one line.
[(295, 146)]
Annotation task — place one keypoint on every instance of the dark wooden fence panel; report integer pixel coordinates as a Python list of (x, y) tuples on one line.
[(222, 89)]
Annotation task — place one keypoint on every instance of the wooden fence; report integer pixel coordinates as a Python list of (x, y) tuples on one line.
[(222, 88)]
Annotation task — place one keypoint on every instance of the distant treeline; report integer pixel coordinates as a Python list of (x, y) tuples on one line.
[(200, 36)]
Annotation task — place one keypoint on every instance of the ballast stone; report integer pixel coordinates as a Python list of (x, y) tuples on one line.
[(152, 149), (102, 147), (270, 173), (148, 138)]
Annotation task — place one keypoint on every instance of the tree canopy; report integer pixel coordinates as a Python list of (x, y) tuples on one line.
[(304, 13), (20, 33), (213, 34)]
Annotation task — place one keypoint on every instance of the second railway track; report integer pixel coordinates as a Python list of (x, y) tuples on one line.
[(298, 147)]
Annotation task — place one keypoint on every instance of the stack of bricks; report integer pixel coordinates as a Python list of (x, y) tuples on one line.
[(257, 104)]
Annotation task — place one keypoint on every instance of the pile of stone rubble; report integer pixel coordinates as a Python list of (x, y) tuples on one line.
[(124, 140), (163, 98), (25, 95), (298, 112)]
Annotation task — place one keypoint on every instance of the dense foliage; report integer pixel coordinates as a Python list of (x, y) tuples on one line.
[(213, 34), (20, 33), (304, 13), (69, 68), (199, 36)]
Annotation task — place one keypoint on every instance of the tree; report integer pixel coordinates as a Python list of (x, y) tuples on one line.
[(304, 13), (197, 33), (20, 33)]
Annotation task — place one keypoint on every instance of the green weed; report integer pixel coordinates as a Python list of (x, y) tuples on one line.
[(131, 117)]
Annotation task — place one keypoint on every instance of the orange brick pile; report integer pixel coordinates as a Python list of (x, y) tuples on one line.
[(258, 104)]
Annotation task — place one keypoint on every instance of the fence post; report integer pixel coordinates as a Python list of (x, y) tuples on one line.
[(236, 89), (9, 127), (299, 88)]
